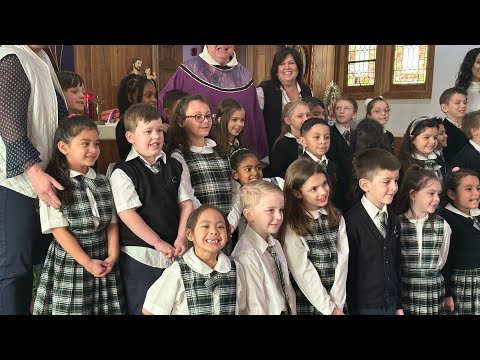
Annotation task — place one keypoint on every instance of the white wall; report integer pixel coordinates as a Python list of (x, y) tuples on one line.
[(447, 62), (187, 51)]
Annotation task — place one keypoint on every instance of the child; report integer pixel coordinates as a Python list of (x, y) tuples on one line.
[(373, 280), (462, 192), (73, 88), (266, 273), (228, 132), (80, 276), (368, 134), (316, 142), (441, 144), (424, 243), (287, 148), (314, 240), (345, 111), (453, 103), (152, 205), (469, 156), (204, 281), (133, 89), (245, 167), (170, 102), (418, 144), (379, 110), (205, 175), (317, 107)]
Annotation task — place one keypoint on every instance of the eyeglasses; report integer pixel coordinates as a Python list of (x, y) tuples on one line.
[(378, 112), (200, 117)]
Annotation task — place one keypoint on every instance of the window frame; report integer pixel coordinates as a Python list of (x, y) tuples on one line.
[(383, 84)]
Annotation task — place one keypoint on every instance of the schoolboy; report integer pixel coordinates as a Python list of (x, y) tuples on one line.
[(469, 156), (453, 103), (151, 204), (373, 280), (270, 291)]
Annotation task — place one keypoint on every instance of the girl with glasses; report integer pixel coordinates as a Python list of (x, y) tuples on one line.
[(206, 175), (379, 110)]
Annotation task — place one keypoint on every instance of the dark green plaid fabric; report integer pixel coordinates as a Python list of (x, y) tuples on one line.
[(323, 255), (66, 288), (211, 179), (199, 296), (466, 290), (423, 287)]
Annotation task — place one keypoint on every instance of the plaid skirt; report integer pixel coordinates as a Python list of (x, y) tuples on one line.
[(466, 291), (66, 288), (423, 292)]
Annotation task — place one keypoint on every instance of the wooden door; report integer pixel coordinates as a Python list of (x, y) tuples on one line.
[(167, 58)]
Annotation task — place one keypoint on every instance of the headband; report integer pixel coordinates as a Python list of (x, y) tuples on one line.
[(416, 122), (237, 150), (367, 101)]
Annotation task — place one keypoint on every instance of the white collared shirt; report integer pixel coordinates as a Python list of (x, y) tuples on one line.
[(285, 98), (454, 123), (341, 129), (431, 156), (126, 197), (314, 158), (167, 294), (52, 218), (265, 294), (372, 211), (475, 145), (473, 96), (447, 231), (473, 212), (306, 276)]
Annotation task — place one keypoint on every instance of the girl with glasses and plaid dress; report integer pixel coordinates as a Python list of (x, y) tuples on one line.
[(206, 174), (80, 275)]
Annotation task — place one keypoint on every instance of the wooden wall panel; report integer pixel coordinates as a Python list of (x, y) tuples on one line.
[(323, 68), (259, 61), (103, 66)]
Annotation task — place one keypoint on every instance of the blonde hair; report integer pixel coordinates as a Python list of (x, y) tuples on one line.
[(254, 191), (470, 121)]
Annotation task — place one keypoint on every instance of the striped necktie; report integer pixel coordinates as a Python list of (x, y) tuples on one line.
[(272, 252), (383, 229), (346, 135)]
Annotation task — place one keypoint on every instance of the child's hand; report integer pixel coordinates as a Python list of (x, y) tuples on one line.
[(180, 247), (399, 312), (337, 311), (166, 249), (110, 261), (449, 304), (97, 268)]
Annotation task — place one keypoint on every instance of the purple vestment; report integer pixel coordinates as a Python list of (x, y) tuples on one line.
[(196, 76)]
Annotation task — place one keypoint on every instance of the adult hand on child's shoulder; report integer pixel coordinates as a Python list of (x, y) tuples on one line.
[(180, 247)]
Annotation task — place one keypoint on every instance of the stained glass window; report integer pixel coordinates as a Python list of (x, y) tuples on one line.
[(410, 64), (361, 65)]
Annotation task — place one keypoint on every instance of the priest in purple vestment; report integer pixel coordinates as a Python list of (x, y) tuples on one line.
[(217, 75)]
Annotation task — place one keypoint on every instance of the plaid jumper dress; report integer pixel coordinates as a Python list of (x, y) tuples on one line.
[(423, 287), (323, 255), (66, 287), (210, 177), (200, 297)]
